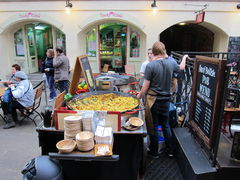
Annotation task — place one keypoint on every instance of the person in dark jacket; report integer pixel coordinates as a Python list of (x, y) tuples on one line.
[(48, 69)]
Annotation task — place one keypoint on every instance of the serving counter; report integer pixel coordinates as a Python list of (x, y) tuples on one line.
[(127, 161)]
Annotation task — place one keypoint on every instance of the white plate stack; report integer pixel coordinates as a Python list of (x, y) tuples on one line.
[(72, 126), (85, 141)]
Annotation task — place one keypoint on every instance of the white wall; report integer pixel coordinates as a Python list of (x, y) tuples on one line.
[(222, 18)]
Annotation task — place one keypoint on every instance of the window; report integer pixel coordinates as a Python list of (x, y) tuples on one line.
[(18, 41), (134, 43), (61, 40), (91, 43)]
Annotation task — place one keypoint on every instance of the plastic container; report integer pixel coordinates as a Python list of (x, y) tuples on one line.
[(161, 140)]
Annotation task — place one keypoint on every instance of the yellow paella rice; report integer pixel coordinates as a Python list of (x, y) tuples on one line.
[(104, 102)]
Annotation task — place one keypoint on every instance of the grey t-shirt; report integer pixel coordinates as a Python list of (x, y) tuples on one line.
[(159, 73)]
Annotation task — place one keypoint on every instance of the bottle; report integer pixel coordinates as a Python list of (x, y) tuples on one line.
[(160, 134), (161, 140)]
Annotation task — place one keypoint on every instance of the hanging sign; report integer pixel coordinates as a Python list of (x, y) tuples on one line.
[(200, 17)]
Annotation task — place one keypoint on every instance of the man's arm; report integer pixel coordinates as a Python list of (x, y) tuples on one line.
[(144, 89), (57, 62), (183, 62)]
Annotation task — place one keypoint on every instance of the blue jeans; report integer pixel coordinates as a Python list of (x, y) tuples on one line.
[(160, 115), (63, 86), (50, 80)]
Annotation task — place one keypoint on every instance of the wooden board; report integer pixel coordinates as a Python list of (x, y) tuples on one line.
[(207, 97), (113, 119), (59, 116), (82, 66), (59, 100)]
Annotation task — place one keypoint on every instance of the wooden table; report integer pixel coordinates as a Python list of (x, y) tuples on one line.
[(228, 116), (2, 90)]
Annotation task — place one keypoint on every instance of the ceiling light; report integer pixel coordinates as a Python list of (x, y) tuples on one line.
[(68, 6), (238, 6), (154, 6), (182, 23)]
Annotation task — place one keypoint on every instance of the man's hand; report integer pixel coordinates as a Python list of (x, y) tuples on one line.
[(47, 69), (11, 85), (139, 96), (183, 62)]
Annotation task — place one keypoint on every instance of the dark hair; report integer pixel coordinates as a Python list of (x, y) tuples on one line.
[(59, 50), (17, 67), (149, 49)]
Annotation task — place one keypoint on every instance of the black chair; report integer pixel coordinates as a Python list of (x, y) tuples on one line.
[(28, 111)]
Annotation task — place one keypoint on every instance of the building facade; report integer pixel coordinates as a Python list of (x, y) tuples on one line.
[(111, 32)]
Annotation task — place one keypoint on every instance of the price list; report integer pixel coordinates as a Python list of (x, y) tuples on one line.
[(205, 95), (202, 116)]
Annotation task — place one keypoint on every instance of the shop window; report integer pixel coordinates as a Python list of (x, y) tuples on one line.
[(61, 40), (91, 43), (18, 41), (134, 44)]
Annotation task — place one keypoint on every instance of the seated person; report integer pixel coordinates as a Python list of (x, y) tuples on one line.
[(23, 96), (15, 68)]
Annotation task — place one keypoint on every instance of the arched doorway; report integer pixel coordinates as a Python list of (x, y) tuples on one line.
[(114, 43), (30, 42), (188, 36)]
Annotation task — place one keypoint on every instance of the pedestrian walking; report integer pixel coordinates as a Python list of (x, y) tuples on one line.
[(48, 69), (61, 70)]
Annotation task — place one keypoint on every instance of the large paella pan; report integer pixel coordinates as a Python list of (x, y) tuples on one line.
[(104, 101)]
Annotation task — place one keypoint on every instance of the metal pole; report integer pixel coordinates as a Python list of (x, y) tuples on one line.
[(45, 89)]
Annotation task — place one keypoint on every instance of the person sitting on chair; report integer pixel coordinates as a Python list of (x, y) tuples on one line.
[(15, 68), (23, 96)]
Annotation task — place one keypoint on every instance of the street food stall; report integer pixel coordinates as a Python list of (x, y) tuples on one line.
[(96, 134)]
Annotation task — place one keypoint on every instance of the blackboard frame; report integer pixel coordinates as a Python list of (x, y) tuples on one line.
[(78, 70), (88, 76), (235, 151), (210, 141)]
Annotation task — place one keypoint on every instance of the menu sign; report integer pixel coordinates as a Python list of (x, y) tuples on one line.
[(82, 66), (207, 96), (87, 71)]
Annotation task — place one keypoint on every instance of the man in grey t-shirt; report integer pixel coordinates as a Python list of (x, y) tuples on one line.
[(157, 82), (160, 73)]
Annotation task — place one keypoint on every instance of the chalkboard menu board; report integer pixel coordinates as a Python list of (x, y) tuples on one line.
[(207, 95), (235, 152), (82, 66), (87, 71)]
